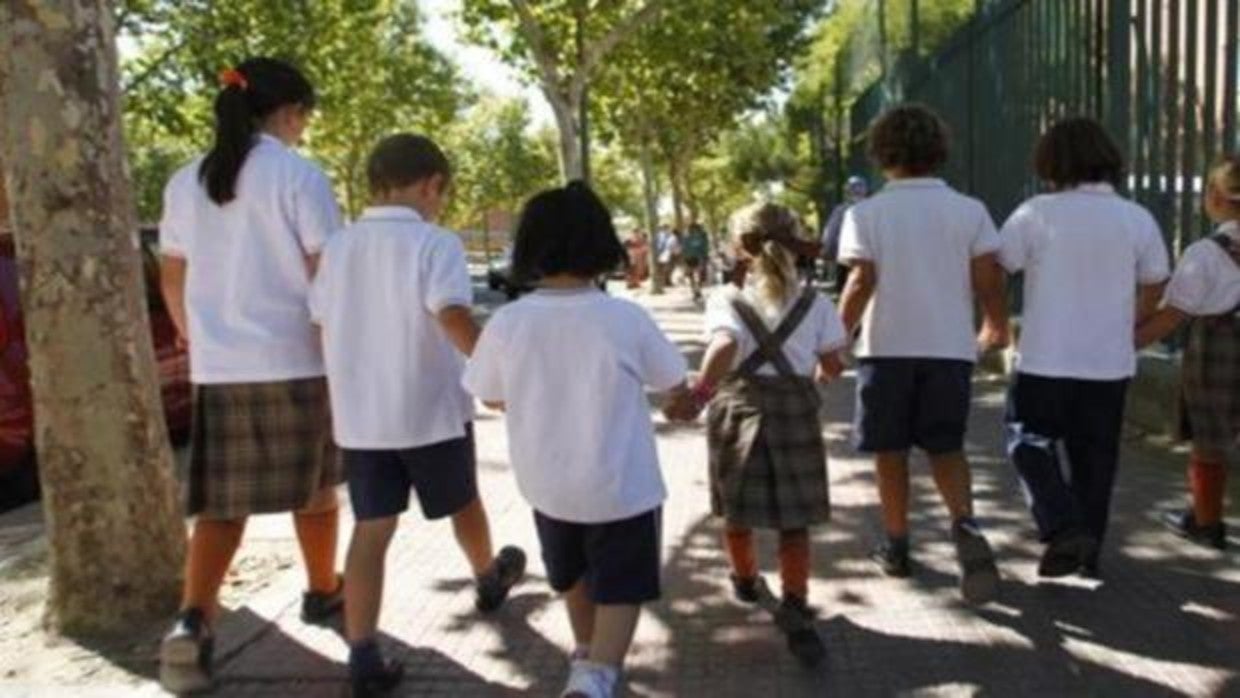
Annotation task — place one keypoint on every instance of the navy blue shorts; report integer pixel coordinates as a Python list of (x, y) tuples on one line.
[(902, 403), (444, 476), (619, 560)]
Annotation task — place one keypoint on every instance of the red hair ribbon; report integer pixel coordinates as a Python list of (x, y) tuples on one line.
[(231, 77)]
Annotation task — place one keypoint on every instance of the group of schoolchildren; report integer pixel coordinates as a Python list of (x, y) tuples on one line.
[(291, 324)]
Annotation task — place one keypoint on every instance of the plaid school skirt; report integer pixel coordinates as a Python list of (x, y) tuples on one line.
[(768, 460), (260, 448), (1210, 392)]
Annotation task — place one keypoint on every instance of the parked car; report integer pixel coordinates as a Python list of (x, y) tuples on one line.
[(18, 474), (501, 278)]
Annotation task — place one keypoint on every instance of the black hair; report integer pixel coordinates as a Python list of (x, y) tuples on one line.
[(404, 159), (567, 230), (258, 87), (911, 137), (1078, 151)]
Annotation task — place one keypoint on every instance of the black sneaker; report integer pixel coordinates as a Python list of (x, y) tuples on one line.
[(493, 586), (378, 684), (979, 576), (747, 589), (892, 558), (185, 654), (798, 607), (1067, 553), (1184, 524), (320, 607)]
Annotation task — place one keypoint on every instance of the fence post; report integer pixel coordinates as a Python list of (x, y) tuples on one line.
[(1119, 72)]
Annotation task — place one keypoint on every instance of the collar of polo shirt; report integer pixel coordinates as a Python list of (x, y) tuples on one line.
[(912, 182)]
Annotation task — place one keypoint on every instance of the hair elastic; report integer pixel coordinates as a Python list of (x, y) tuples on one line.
[(231, 77)]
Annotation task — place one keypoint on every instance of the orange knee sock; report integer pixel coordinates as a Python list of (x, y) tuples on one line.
[(316, 533), (211, 548), (1208, 483), (794, 562), (739, 543)]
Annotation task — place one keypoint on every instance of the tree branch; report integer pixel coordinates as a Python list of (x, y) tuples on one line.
[(154, 66), (543, 56), (596, 52)]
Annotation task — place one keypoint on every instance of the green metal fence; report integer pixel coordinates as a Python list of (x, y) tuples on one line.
[(1161, 74)]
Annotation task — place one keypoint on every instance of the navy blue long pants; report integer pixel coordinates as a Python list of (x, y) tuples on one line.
[(1063, 438)]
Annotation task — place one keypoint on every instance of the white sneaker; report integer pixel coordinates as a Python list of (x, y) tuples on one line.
[(587, 679)]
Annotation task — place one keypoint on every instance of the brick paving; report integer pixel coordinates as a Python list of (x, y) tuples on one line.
[(1166, 621)]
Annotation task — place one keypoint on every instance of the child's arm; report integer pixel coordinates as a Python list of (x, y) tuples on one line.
[(1158, 325), (1148, 297), (720, 356), (458, 323), (830, 366), (988, 287), (862, 281), (172, 272)]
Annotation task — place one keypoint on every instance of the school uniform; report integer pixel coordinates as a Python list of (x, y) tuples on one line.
[(571, 368), (768, 461), (918, 343), (399, 411), (1083, 253), (1206, 286), (261, 437)]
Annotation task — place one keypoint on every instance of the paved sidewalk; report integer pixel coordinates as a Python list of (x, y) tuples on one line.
[(1165, 622)]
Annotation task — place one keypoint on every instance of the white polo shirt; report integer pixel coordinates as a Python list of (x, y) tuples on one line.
[(394, 375), (1206, 280), (1084, 252), (247, 280), (571, 368), (922, 237), (819, 333)]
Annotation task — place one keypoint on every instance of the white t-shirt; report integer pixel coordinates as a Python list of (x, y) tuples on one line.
[(247, 280), (395, 377), (819, 333), (571, 367), (922, 237), (1207, 279), (1084, 252)]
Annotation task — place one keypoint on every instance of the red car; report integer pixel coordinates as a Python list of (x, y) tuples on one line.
[(18, 475)]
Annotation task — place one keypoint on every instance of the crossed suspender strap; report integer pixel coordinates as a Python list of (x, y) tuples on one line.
[(771, 344), (1233, 250)]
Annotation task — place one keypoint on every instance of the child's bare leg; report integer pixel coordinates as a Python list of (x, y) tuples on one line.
[(473, 534), (364, 569), (614, 626), (955, 483), (581, 612), (892, 467), (1207, 479), (212, 545)]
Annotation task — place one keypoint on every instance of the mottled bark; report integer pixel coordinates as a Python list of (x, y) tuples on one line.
[(114, 525)]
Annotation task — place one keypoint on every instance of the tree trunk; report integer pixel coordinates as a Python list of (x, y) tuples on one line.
[(678, 198), (567, 111), (651, 196), (114, 525)]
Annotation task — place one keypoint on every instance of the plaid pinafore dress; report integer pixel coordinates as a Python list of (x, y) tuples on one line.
[(1210, 375), (768, 460)]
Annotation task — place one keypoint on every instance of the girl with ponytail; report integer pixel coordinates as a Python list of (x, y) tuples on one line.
[(240, 237), (769, 340)]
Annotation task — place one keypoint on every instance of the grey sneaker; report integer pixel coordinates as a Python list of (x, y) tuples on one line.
[(979, 576), (185, 654)]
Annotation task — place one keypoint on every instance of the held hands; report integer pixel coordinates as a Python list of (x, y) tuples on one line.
[(830, 366), (993, 337), (685, 405)]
